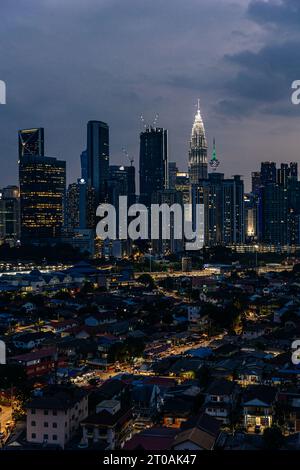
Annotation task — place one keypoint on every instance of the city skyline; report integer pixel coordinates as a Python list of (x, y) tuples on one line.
[(237, 67)]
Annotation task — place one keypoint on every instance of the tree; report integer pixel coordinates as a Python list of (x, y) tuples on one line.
[(147, 280), (12, 375), (273, 438)]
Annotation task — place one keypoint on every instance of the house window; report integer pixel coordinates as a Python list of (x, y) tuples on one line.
[(46, 424), (54, 437), (45, 437), (54, 413), (55, 425), (45, 412), (33, 435), (33, 423)]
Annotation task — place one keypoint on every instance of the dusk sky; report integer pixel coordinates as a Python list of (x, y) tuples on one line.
[(68, 61)]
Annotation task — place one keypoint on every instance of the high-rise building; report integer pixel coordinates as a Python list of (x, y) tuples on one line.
[(10, 214), (198, 150), (153, 162), (268, 173), (233, 216), (255, 182), (279, 202), (223, 201), (209, 192), (84, 165), (183, 185), (121, 183), (98, 158), (42, 190), (31, 142), (173, 170), (80, 206), (251, 217), (170, 244)]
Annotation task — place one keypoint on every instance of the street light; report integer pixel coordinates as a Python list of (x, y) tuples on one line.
[(150, 257), (256, 248)]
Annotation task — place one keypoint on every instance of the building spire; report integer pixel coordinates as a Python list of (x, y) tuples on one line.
[(214, 162), (198, 149)]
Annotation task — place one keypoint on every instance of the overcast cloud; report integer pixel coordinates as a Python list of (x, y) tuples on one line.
[(68, 61)]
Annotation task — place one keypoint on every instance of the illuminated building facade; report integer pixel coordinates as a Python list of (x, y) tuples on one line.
[(42, 191), (223, 201), (81, 206), (182, 184), (121, 183), (9, 215), (279, 202), (198, 150)]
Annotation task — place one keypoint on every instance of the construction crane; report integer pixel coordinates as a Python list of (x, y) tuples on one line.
[(154, 122), (143, 121), (131, 159), (155, 119)]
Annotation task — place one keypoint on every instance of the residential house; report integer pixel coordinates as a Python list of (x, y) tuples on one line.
[(54, 415), (110, 426), (220, 399), (258, 407)]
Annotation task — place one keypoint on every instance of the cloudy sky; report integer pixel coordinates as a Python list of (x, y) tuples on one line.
[(68, 61)]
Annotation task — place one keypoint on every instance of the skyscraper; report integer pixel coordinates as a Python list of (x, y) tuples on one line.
[(80, 206), (173, 170), (31, 142), (268, 173), (170, 244), (153, 162), (233, 211), (279, 202), (84, 165), (10, 214), (183, 185), (223, 201), (42, 190), (255, 182), (121, 183), (198, 150), (98, 158)]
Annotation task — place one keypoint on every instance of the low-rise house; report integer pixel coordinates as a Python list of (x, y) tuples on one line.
[(40, 362), (186, 368), (54, 416), (248, 376), (254, 331), (110, 426), (101, 318), (146, 401), (155, 438), (176, 411), (288, 405), (199, 433), (258, 407), (30, 340), (61, 326), (220, 399)]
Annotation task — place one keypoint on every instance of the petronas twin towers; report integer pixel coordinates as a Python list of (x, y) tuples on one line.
[(198, 150)]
